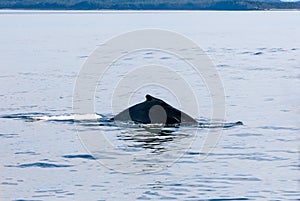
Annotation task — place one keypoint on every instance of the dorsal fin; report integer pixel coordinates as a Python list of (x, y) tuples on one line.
[(148, 97)]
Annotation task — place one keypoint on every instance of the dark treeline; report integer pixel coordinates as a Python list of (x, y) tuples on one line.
[(148, 4)]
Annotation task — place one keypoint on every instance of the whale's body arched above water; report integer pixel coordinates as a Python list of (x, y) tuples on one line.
[(154, 111)]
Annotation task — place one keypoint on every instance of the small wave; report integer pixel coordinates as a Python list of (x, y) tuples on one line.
[(278, 128), (81, 156), (8, 135), (83, 56), (258, 53), (277, 50), (163, 58), (128, 58), (26, 153), (222, 199), (24, 116), (259, 68), (220, 125), (246, 52), (223, 66), (247, 134), (40, 165), (9, 183)]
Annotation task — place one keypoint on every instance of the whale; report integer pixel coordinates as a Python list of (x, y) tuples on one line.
[(154, 111), (151, 112)]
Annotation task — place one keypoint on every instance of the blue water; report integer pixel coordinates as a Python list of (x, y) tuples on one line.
[(257, 55)]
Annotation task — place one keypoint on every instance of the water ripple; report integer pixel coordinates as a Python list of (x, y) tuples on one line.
[(81, 156), (257, 53), (222, 199), (41, 165), (26, 200), (26, 153), (279, 128), (8, 135)]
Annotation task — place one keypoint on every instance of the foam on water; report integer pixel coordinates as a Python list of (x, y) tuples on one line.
[(44, 117)]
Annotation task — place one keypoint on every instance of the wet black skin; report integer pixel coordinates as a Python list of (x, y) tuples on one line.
[(154, 110)]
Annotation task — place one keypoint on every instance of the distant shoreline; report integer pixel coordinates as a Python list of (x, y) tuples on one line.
[(132, 11), (143, 5)]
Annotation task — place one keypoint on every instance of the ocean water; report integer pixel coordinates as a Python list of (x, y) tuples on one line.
[(43, 158)]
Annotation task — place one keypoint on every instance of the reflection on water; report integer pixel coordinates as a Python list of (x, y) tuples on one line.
[(154, 139), (127, 147)]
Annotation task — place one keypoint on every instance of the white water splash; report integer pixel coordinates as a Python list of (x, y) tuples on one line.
[(76, 117)]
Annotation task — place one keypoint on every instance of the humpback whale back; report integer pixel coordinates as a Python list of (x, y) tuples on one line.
[(152, 111)]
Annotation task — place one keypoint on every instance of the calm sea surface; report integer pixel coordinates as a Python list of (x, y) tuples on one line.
[(257, 55)]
